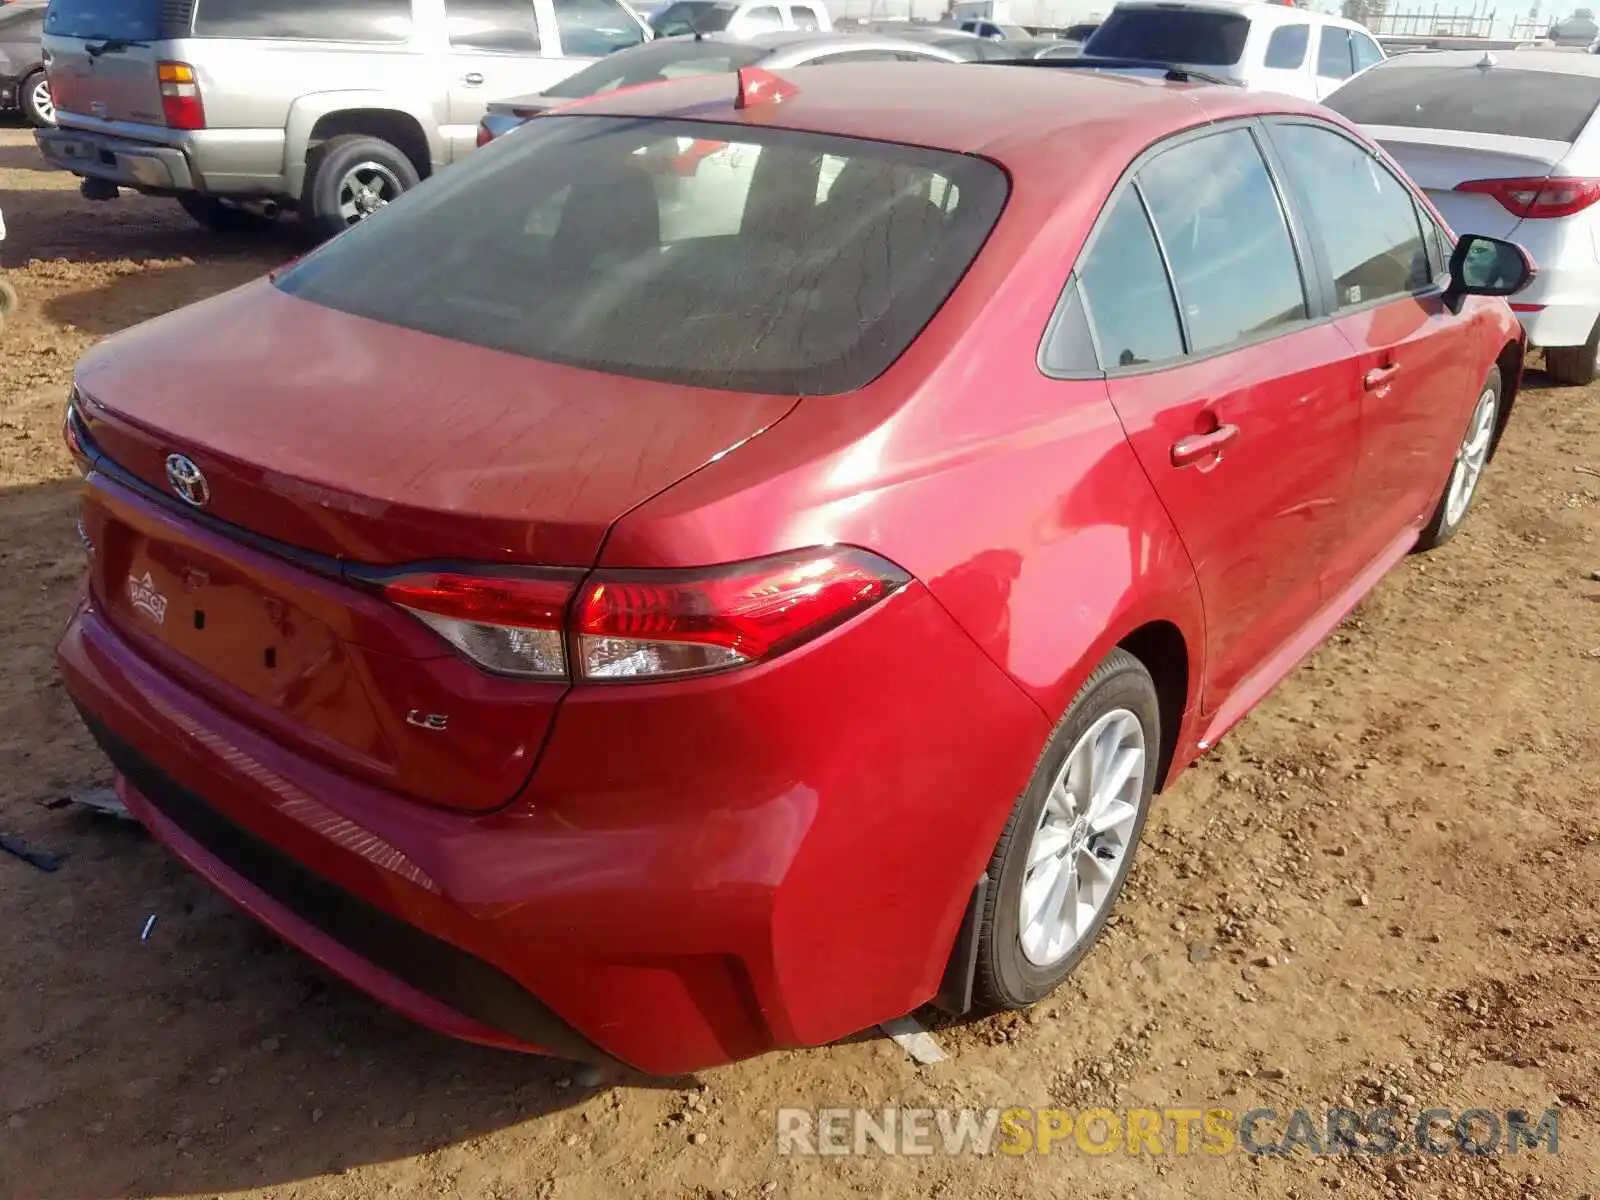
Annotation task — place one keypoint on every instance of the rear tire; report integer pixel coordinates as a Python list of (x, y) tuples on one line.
[(350, 177), (1574, 366), (33, 96), (1466, 469), (1075, 824), (220, 216)]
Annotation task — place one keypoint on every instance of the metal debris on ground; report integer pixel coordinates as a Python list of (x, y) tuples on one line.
[(34, 858), (914, 1040), (150, 923), (101, 800)]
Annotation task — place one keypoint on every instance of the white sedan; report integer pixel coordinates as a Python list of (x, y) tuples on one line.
[(1505, 143)]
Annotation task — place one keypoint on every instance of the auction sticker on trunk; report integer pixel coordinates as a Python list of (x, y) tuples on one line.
[(142, 592)]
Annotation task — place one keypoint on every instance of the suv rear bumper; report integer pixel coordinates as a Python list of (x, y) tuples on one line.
[(129, 164)]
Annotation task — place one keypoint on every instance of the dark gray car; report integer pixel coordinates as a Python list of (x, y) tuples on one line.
[(712, 54), (23, 86)]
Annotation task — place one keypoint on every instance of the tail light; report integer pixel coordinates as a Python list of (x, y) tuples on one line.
[(1533, 198), (180, 96), (485, 135), (635, 625), (72, 433)]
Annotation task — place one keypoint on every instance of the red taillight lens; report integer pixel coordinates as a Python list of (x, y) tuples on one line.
[(509, 624), (1537, 198), (644, 625), (485, 134), (180, 96)]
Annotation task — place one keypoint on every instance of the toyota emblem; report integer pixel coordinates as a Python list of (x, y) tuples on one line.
[(188, 482)]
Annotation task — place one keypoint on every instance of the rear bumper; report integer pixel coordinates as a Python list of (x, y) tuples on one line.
[(689, 902), (117, 160), (1567, 321), (223, 162)]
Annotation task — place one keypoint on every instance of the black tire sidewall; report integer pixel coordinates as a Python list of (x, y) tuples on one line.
[(328, 167), (1012, 980)]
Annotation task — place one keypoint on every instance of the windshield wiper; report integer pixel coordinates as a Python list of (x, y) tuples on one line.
[(113, 46)]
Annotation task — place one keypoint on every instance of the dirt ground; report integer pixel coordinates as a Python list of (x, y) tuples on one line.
[(1384, 887)]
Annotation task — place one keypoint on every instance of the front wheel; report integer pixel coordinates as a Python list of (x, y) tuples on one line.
[(1472, 456), (37, 105), (349, 178), (1061, 862)]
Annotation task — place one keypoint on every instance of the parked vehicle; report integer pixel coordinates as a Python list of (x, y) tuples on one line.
[(8, 294), (677, 57), (237, 108), (23, 85), (966, 46), (1506, 144), (661, 627), (740, 18), (1264, 47), (995, 30)]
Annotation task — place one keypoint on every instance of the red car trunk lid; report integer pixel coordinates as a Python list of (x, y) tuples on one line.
[(368, 445)]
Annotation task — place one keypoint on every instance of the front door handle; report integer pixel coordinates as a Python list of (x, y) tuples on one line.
[(1190, 450), (1378, 376), (473, 80)]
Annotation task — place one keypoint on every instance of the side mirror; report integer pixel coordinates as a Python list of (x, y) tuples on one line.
[(1486, 266)]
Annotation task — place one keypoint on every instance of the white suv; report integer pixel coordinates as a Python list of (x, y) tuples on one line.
[(1506, 144), (1264, 47)]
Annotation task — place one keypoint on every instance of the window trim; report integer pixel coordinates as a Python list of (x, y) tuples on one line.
[(1419, 212), (1313, 283)]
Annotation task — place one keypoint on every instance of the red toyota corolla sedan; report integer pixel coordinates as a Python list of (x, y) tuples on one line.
[(657, 614)]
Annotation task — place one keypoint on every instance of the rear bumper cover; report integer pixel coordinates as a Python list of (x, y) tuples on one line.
[(738, 881), (117, 160)]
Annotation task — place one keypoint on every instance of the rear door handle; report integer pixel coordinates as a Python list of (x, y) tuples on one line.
[(472, 80), (1190, 450), (1378, 376)]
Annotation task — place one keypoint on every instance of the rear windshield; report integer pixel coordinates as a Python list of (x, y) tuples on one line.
[(722, 256), (101, 20), (1176, 35), (1551, 105), (655, 64), (690, 17)]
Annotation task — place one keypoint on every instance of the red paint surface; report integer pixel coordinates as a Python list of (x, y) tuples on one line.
[(692, 871)]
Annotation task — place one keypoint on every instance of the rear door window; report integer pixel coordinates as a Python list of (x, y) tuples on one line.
[(98, 20), (692, 16), (1364, 217), (595, 28), (1550, 105), (805, 17), (1125, 288), (505, 26), (1333, 53), (302, 20), (1226, 238), (764, 18), (681, 251), (1201, 37), (1286, 49), (1366, 51)]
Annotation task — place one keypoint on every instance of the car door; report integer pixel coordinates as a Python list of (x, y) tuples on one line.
[(1238, 401), (495, 52), (1283, 64), (1335, 59), (1387, 294)]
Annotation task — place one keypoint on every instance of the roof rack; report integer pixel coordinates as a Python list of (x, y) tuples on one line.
[(1174, 72)]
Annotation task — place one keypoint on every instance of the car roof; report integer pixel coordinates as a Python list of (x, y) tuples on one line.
[(1564, 62), (1014, 114), (1256, 10)]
